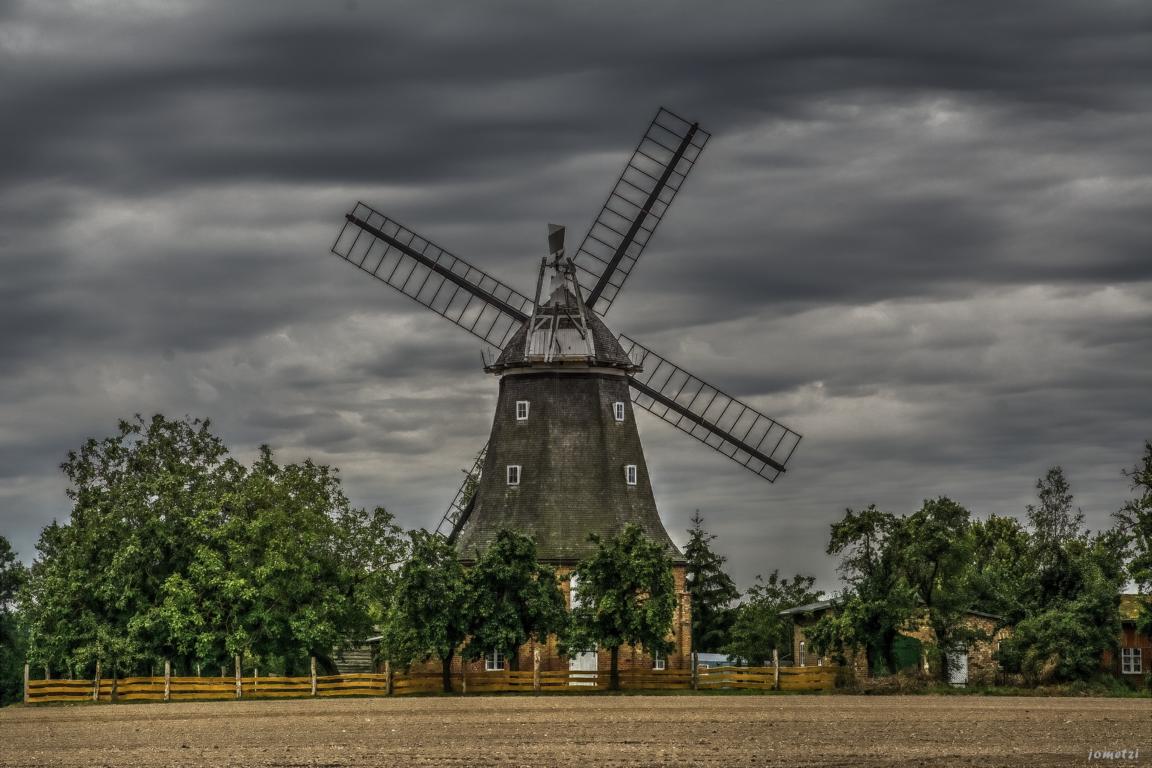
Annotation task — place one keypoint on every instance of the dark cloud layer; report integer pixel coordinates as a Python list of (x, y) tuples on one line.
[(919, 235)]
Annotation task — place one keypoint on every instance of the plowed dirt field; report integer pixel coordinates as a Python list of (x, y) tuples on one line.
[(584, 731)]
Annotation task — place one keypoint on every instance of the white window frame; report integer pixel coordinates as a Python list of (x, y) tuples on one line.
[(521, 404), (494, 661), (1131, 661), (573, 592), (659, 663), (630, 474), (512, 474), (618, 410)]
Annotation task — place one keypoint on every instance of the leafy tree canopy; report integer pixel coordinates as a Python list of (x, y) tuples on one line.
[(626, 595), (759, 629), (175, 550), (12, 577), (711, 588), (511, 599), (426, 615)]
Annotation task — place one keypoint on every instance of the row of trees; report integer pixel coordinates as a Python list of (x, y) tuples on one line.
[(506, 599), (1056, 584), (176, 551)]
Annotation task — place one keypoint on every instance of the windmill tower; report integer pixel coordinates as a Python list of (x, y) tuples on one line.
[(564, 457)]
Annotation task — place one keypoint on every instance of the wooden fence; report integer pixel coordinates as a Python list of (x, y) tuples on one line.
[(172, 688)]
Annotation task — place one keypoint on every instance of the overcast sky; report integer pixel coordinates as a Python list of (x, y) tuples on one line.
[(919, 236)]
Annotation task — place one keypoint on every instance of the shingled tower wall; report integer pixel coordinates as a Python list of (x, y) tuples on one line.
[(572, 452)]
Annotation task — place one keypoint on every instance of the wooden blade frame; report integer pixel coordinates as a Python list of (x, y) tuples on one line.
[(425, 272), (461, 507), (636, 205), (736, 430)]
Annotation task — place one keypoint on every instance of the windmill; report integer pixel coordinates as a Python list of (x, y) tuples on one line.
[(564, 457)]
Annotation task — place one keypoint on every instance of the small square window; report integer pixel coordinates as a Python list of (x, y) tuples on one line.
[(494, 661), (521, 410), (659, 663), (1130, 661), (513, 474), (630, 474), (618, 411)]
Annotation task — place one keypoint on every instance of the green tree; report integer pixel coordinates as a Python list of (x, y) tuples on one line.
[(426, 616), (1135, 521), (12, 577), (1064, 639), (711, 589), (626, 596), (935, 548), (759, 629), (879, 602), (175, 550), (1054, 520), (1001, 567), (97, 588), (1071, 595), (511, 599)]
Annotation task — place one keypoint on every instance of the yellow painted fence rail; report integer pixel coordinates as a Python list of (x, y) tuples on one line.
[(176, 688)]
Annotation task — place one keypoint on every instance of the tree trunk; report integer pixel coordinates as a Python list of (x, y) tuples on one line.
[(514, 660), (614, 669), (446, 672)]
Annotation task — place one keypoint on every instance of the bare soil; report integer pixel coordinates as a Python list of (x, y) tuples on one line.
[(584, 731)]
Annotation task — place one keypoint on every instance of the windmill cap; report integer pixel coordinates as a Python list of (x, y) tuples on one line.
[(608, 352)]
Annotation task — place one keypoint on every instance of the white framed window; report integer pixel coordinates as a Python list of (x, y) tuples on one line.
[(513, 474), (494, 661), (630, 474), (1130, 661), (659, 663), (573, 595), (618, 411), (521, 410)]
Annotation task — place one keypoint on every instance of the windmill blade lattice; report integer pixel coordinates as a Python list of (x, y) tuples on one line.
[(736, 430), (461, 505), (636, 205), (425, 272)]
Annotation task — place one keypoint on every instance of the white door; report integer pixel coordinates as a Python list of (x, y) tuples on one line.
[(586, 664), (958, 666)]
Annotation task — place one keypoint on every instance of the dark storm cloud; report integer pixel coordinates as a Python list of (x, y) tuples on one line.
[(919, 234)]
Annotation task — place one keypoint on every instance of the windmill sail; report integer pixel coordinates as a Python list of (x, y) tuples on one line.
[(636, 204), (461, 506), (736, 430), (425, 272)]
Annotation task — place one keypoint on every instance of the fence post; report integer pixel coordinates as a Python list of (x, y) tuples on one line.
[(695, 661), (238, 689), (26, 668), (536, 670), (96, 683), (167, 680), (388, 677), (313, 675), (775, 669)]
